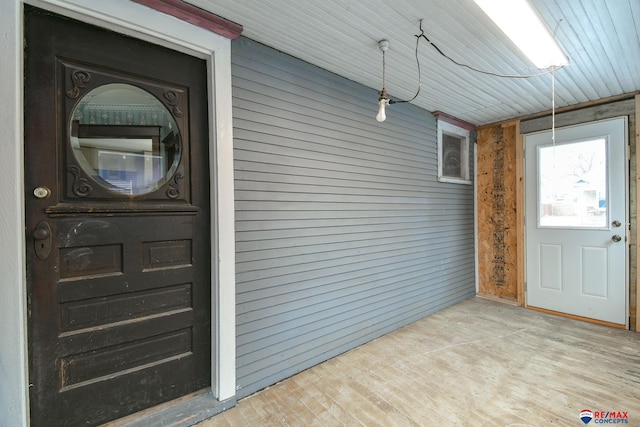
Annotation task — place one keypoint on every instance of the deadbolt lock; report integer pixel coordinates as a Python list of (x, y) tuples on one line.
[(41, 192), (616, 223)]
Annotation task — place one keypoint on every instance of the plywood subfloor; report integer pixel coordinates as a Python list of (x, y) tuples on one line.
[(478, 363)]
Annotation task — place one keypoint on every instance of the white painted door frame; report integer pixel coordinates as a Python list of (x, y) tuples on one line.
[(138, 21)]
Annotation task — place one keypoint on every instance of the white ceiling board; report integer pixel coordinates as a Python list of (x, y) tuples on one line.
[(600, 38)]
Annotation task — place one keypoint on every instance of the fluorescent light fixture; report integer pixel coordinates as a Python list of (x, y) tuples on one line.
[(522, 25)]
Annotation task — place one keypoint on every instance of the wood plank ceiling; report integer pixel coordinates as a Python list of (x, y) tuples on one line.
[(600, 38)]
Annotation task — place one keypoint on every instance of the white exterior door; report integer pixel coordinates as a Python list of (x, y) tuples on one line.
[(576, 221)]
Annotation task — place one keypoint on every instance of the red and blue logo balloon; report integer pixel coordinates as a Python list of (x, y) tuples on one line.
[(586, 416)]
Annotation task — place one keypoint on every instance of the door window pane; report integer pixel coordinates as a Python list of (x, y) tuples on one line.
[(573, 185), (125, 139)]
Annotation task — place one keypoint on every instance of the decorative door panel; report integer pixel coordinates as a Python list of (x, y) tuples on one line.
[(124, 137)]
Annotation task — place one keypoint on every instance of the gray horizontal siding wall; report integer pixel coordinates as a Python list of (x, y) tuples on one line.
[(343, 232)]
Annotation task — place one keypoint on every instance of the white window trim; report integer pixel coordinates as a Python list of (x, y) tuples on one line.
[(445, 128)]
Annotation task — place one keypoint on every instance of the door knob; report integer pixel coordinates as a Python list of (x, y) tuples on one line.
[(616, 238), (41, 233), (42, 240)]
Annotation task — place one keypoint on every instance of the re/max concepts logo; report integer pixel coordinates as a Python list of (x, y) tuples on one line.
[(602, 417)]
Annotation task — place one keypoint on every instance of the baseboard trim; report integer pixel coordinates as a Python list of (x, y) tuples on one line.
[(573, 316)]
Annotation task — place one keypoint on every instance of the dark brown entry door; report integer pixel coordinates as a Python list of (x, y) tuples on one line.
[(117, 222)]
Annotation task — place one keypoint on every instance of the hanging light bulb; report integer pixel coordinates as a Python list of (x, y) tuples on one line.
[(384, 100), (382, 115), (382, 104)]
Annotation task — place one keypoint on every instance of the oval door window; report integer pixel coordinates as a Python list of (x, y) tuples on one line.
[(125, 139)]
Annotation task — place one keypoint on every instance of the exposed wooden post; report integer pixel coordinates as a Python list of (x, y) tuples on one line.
[(520, 211), (497, 215), (637, 231)]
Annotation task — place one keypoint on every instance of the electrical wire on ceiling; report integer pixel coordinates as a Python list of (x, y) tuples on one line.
[(422, 35), (489, 73), (384, 100)]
